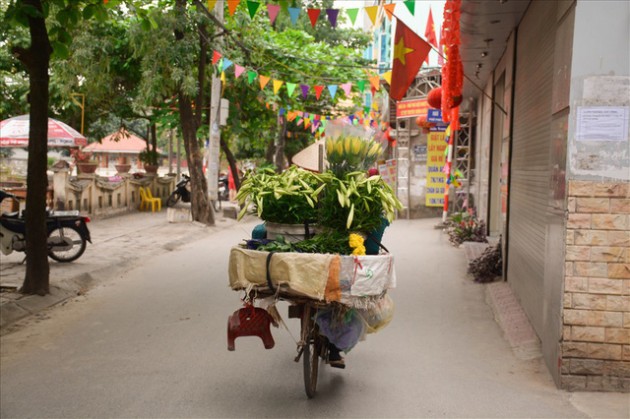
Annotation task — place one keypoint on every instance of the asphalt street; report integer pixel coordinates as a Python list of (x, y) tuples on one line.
[(151, 342)]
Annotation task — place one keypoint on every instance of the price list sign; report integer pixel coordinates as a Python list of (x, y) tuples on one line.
[(436, 179)]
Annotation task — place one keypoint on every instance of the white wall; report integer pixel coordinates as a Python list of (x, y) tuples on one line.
[(600, 76)]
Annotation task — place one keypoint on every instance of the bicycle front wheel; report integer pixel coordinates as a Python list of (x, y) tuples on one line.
[(310, 356)]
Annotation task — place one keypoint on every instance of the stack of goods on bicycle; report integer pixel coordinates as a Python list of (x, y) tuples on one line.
[(323, 230)]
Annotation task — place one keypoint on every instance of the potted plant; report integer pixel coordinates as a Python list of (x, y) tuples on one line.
[(122, 164), (84, 162), (150, 160), (287, 201)]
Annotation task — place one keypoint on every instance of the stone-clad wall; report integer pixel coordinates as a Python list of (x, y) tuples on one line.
[(595, 346)]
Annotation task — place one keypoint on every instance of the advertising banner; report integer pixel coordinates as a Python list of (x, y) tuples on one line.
[(436, 179)]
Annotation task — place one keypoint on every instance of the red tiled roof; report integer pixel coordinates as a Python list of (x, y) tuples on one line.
[(127, 144)]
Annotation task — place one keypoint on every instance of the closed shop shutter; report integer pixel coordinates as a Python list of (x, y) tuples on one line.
[(530, 171)]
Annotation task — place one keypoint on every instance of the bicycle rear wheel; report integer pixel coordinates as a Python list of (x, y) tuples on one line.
[(310, 356), (217, 204)]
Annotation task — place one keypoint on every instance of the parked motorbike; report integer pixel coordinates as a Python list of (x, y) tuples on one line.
[(181, 192), (224, 192), (68, 233)]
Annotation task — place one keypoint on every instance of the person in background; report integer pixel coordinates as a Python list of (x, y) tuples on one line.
[(231, 185)]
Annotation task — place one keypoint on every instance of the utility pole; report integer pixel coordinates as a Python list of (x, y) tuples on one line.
[(80, 105), (214, 143)]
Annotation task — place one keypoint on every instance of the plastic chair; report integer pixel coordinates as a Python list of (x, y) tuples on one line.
[(152, 198), (145, 201)]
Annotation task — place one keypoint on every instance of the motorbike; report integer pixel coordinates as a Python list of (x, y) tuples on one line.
[(68, 233), (224, 192), (181, 192)]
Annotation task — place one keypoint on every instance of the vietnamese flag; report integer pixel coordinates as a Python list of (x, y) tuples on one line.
[(429, 33), (409, 52)]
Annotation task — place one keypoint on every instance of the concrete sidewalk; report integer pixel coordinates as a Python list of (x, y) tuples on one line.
[(117, 244)]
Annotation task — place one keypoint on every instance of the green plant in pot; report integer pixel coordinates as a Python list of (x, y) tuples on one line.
[(150, 160), (289, 197)]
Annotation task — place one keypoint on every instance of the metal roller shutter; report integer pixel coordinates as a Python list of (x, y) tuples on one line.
[(530, 171)]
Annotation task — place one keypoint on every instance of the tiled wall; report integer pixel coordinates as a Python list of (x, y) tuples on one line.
[(595, 346)]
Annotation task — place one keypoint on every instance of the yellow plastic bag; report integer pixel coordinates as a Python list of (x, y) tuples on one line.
[(378, 315)]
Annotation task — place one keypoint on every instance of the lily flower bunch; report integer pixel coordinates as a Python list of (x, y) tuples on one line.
[(347, 154)]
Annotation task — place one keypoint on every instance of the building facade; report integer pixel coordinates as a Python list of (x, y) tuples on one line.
[(552, 172)]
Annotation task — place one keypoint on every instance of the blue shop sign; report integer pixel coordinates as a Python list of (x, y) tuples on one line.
[(434, 115)]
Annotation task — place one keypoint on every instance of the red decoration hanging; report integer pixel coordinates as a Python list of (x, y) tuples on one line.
[(452, 71), (422, 122), (434, 98)]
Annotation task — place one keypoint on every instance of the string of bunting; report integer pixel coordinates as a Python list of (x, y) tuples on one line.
[(313, 13), (317, 123), (223, 63)]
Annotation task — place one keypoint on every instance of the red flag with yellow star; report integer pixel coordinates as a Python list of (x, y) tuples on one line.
[(409, 52), (429, 33)]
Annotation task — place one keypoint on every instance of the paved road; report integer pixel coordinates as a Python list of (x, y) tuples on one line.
[(152, 343)]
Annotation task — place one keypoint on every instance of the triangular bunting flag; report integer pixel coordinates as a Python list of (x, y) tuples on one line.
[(251, 75), (211, 4), (263, 81), (284, 5), (216, 56), (291, 115), (238, 70), (318, 91), (294, 12), (290, 88), (352, 14), (332, 16), (389, 10), (252, 7), (375, 82), (411, 5), (371, 12), (387, 76), (281, 110), (272, 11), (313, 14), (277, 84), (226, 63), (332, 88), (346, 88), (304, 88), (232, 5), (361, 85), (307, 123)]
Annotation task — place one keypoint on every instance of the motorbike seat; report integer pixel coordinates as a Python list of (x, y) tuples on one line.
[(16, 225)]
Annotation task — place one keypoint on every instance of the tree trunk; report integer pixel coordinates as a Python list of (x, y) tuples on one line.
[(271, 151), (36, 59), (232, 162), (279, 159), (200, 205)]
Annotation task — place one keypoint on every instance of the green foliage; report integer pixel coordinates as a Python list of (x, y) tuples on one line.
[(334, 242), (288, 197), (149, 157), (356, 203), (464, 226)]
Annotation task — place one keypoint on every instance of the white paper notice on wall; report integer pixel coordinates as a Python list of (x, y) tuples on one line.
[(602, 123)]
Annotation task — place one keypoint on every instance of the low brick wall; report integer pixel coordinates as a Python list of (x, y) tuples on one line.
[(595, 347), (100, 196)]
